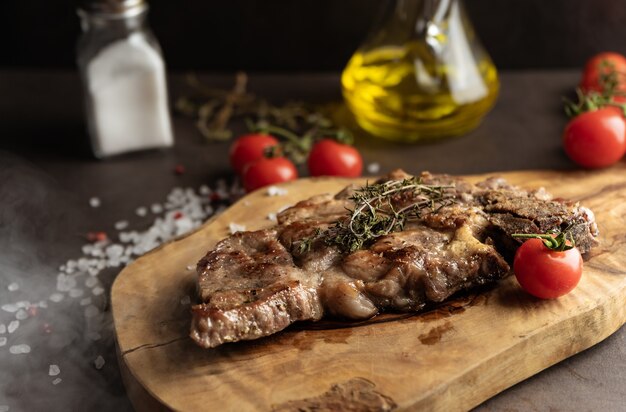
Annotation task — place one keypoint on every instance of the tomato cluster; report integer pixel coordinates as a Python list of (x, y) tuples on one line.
[(257, 158), (596, 136)]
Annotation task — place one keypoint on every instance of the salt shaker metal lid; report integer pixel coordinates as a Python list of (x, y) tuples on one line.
[(114, 8)]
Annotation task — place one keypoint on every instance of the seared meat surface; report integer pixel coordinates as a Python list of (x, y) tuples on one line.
[(254, 284)]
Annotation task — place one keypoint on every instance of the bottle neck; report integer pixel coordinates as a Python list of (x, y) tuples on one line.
[(422, 11)]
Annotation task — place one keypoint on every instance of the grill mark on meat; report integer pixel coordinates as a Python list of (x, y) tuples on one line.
[(254, 284)]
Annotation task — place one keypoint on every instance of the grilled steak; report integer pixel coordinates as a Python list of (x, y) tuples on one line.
[(254, 284)]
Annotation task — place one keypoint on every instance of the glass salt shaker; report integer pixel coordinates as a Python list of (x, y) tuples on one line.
[(123, 77)]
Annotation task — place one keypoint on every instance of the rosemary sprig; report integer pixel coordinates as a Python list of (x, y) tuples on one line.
[(378, 211)]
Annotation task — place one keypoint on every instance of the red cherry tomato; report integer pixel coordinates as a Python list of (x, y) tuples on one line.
[(268, 171), (596, 139), (591, 74), (249, 148), (331, 158), (545, 273)]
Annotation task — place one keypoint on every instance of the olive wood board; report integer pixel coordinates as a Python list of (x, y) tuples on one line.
[(451, 358)]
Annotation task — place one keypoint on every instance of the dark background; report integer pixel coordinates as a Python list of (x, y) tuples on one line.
[(311, 35)]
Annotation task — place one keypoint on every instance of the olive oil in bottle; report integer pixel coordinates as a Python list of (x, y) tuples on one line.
[(423, 74)]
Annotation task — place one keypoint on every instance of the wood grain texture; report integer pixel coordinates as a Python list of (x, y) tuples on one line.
[(449, 359)]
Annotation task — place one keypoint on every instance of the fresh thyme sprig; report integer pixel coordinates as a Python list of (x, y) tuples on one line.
[(376, 212)]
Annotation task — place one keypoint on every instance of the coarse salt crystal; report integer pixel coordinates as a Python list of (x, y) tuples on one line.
[(234, 228), (204, 190), (98, 290), (183, 225), (13, 325), (54, 370), (191, 267), (87, 249), (75, 293), (94, 202), (13, 287), (56, 297), (272, 217), (156, 208), (86, 301), (121, 225), (90, 282), (21, 314), (3, 329), (65, 282), (57, 381), (276, 191), (373, 168), (10, 307), (3, 341), (99, 362), (114, 251), (19, 349), (186, 300), (141, 211)]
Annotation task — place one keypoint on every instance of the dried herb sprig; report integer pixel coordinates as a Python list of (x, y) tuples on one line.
[(376, 213), (214, 109), (297, 147)]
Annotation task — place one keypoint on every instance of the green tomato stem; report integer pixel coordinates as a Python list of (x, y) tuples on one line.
[(561, 242)]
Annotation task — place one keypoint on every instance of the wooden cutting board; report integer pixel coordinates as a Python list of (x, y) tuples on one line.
[(449, 359)]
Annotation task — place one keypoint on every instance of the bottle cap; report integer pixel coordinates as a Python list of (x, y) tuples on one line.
[(114, 8)]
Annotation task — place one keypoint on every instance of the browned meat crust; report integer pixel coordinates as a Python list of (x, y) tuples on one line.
[(254, 284)]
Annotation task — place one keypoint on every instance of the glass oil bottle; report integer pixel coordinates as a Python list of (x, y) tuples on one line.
[(422, 74)]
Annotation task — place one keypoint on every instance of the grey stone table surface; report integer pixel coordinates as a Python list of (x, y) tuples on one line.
[(47, 177)]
